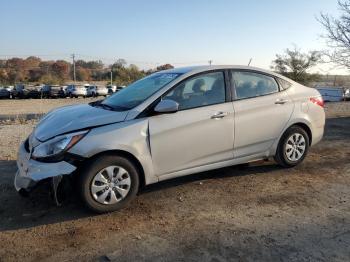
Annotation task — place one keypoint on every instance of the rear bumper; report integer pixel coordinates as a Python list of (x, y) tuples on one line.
[(317, 128), (30, 172), (317, 135)]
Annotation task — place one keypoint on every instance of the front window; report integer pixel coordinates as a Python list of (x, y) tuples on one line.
[(203, 90), (139, 91)]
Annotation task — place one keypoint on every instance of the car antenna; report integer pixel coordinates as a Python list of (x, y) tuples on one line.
[(250, 60)]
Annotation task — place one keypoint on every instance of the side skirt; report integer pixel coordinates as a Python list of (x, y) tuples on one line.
[(226, 163)]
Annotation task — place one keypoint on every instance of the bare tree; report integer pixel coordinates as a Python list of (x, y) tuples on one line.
[(120, 63), (295, 64), (338, 35)]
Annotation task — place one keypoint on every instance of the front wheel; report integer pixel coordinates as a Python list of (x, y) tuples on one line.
[(293, 147), (108, 183)]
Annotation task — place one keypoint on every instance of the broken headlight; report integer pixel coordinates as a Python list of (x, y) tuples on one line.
[(57, 146)]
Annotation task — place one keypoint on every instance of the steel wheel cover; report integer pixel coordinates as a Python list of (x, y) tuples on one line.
[(110, 185)]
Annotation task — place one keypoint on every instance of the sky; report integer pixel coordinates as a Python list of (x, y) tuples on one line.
[(153, 32)]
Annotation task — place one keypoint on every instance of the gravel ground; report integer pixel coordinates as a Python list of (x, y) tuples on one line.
[(37, 106), (260, 212)]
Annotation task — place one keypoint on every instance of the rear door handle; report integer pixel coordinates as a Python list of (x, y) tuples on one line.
[(281, 101), (219, 115)]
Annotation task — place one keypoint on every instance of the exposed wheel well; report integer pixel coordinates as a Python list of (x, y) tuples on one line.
[(307, 130), (130, 157)]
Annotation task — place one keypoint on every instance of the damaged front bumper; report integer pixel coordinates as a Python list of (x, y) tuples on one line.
[(30, 172)]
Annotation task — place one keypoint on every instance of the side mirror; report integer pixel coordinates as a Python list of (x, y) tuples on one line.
[(167, 106)]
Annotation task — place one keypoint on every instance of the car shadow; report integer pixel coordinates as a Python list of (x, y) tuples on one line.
[(255, 168), (17, 212)]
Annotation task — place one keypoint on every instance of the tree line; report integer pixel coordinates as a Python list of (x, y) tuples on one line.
[(35, 70)]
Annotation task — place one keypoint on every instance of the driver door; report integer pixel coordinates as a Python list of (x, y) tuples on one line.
[(200, 133)]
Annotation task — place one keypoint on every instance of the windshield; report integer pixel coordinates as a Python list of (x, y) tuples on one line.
[(139, 91)]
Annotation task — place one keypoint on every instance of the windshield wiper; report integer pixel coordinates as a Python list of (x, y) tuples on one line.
[(106, 106)]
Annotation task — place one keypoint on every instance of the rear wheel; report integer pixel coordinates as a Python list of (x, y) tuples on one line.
[(293, 147), (108, 183)]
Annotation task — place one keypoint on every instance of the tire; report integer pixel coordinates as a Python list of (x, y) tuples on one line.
[(93, 191), (289, 154)]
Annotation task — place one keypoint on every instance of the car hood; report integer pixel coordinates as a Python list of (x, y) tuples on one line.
[(71, 118)]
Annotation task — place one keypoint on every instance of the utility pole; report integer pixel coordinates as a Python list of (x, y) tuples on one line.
[(111, 75), (74, 76), (210, 62)]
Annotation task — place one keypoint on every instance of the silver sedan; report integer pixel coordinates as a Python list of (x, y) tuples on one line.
[(169, 124)]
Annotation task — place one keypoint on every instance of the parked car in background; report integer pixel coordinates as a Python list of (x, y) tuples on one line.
[(53, 91), (170, 124), (19, 91), (331, 94), (5, 92), (119, 88), (34, 91), (111, 89), (76, 91), (9, 88), (26, 91), (97, 91), (347, 94)]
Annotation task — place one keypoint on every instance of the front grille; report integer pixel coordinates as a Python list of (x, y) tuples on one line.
[(26, 145)]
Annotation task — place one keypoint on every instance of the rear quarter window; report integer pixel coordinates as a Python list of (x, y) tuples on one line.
[(283, 84)]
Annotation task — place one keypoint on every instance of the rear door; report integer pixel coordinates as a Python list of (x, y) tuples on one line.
[(262, 111), (200, 133)]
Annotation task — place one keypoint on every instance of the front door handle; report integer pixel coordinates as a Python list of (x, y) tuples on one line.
[(219, 115), (281, 101)]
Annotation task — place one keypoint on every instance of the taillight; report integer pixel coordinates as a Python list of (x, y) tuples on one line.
[(317, 100)]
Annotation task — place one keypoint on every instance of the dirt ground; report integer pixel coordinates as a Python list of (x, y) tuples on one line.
[(256, 213), (37, 106)]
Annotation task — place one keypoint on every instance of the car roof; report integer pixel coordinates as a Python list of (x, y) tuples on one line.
[(203, 68)]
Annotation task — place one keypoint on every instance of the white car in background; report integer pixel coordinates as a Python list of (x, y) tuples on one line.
[(111, 89), (76, 91), (347, 94), (97, 91)]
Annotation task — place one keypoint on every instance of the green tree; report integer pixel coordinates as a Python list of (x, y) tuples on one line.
[(60, 69), (295, 64), (83, 74), (120, 63), (50, 79)]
